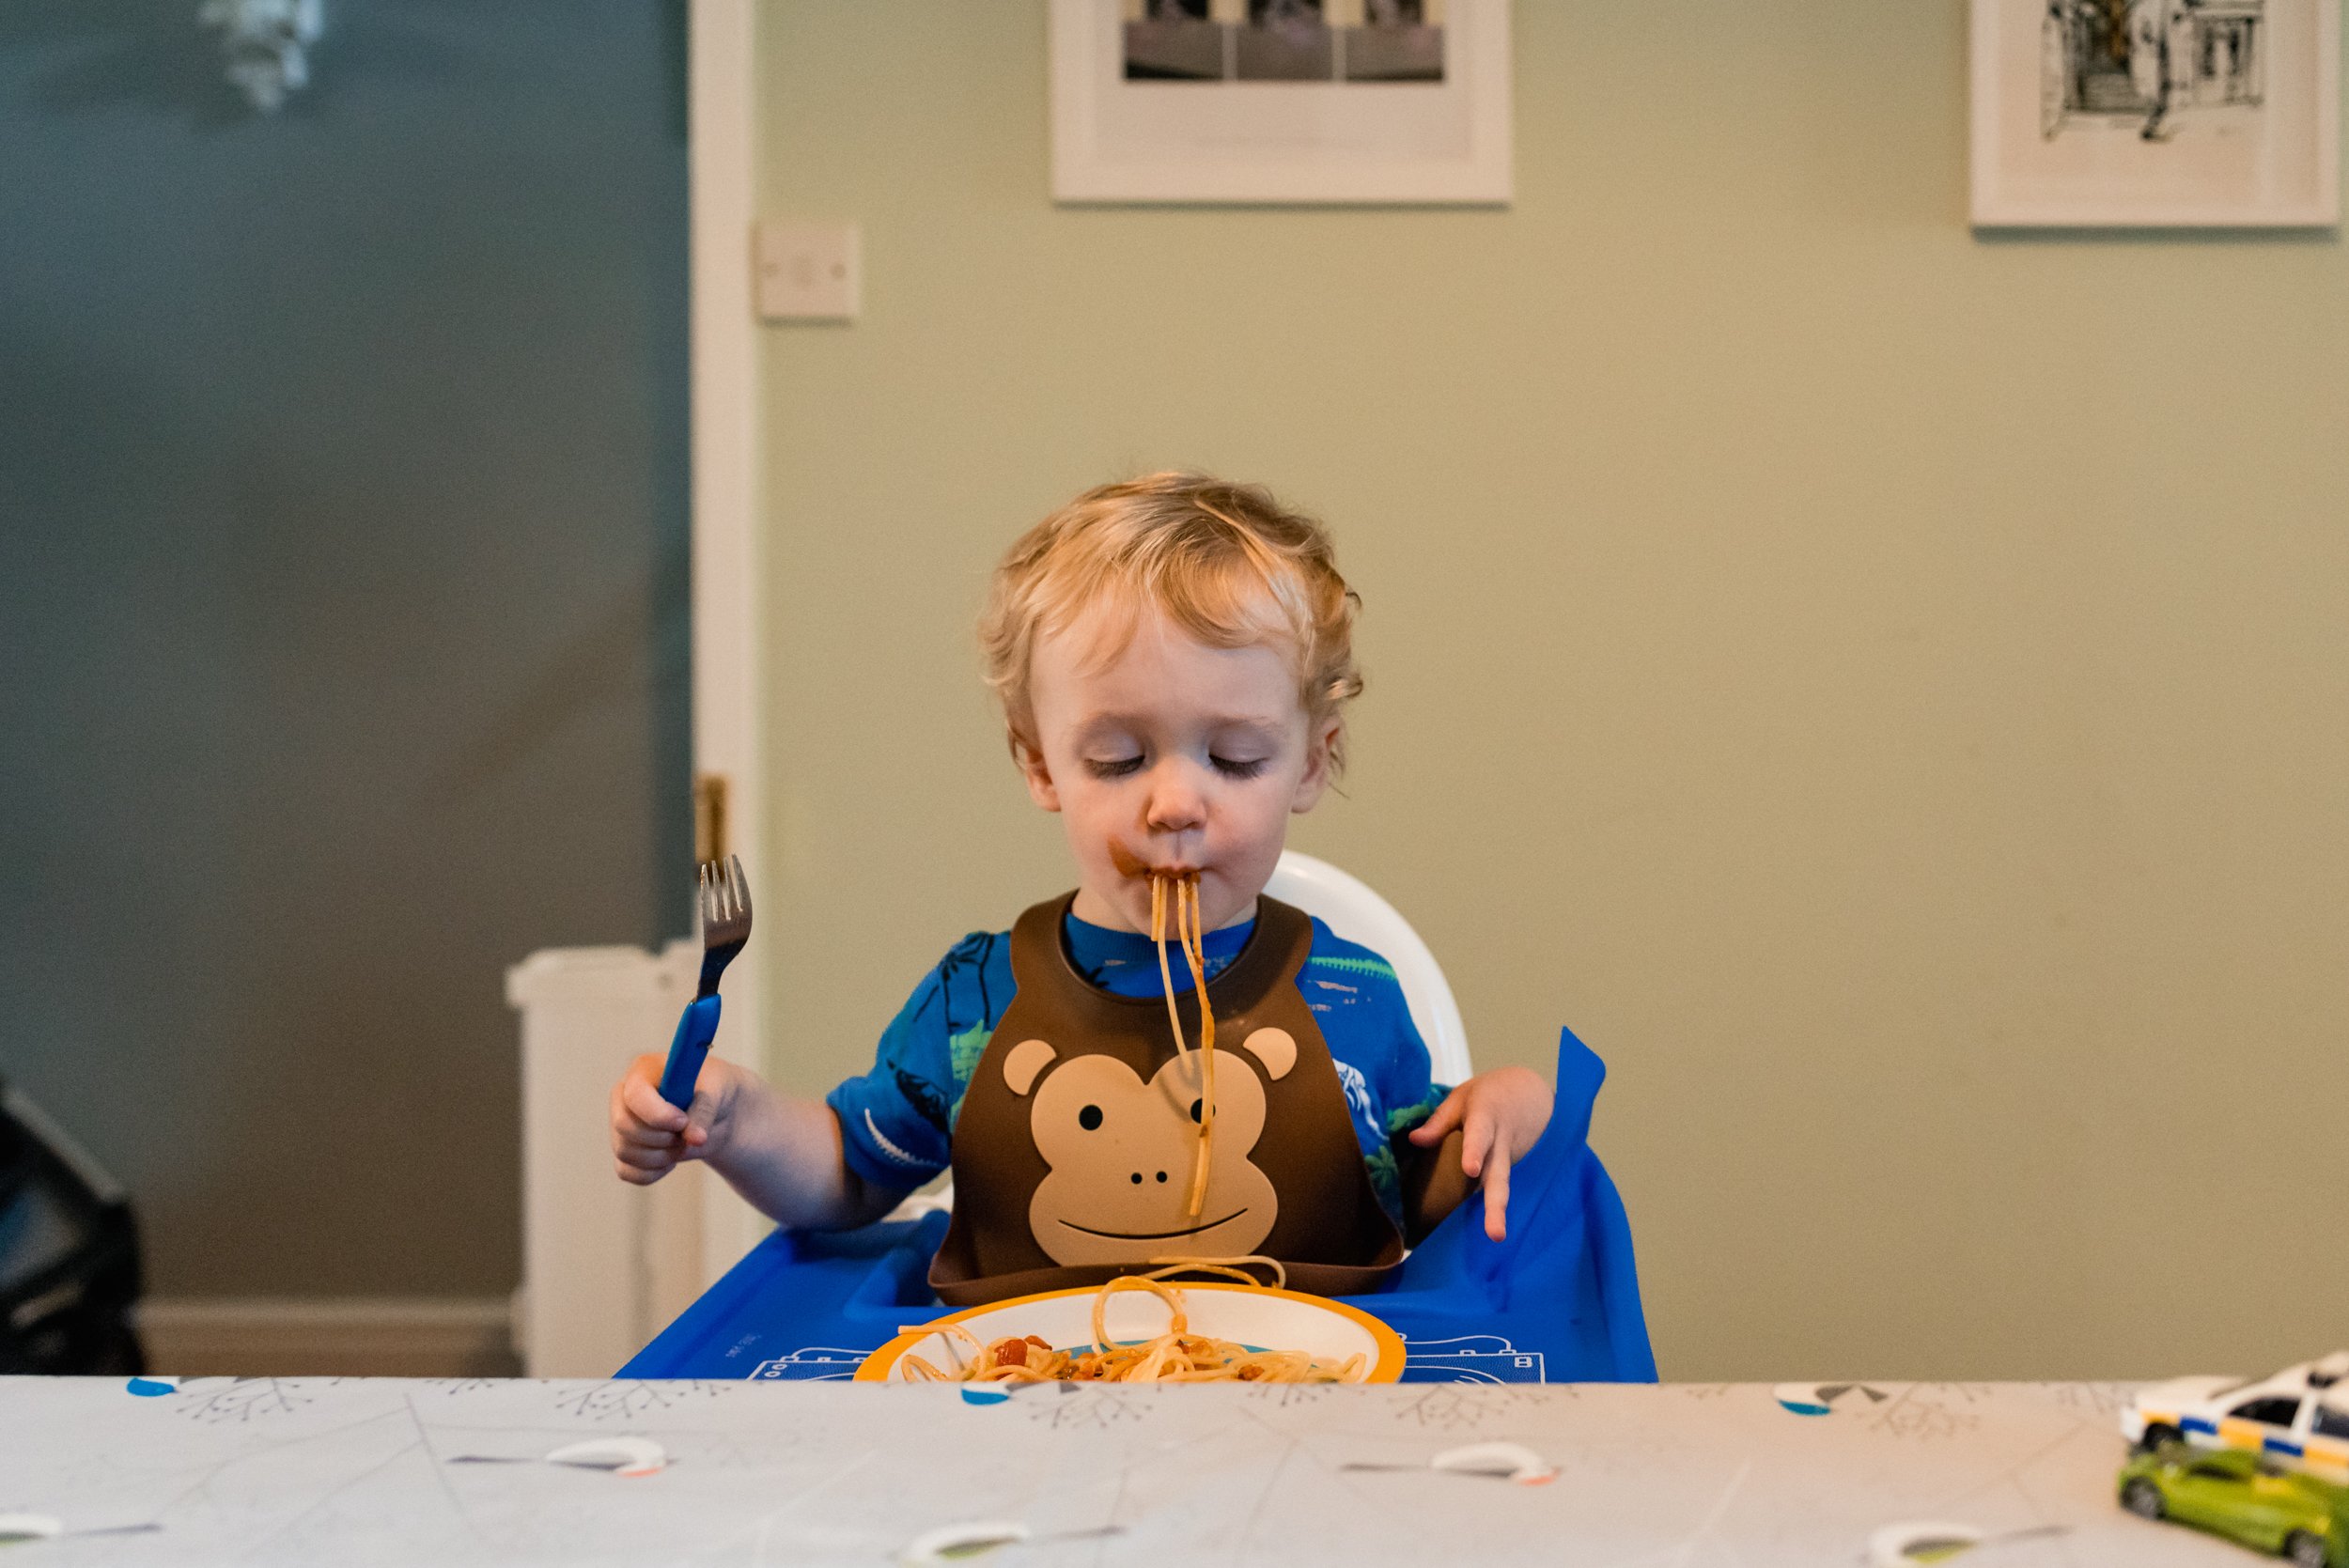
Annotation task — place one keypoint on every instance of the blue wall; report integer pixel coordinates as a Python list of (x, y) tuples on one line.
[(342, 603)]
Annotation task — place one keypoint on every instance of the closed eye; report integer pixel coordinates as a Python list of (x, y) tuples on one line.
[(1233, 768), (1112, 767)]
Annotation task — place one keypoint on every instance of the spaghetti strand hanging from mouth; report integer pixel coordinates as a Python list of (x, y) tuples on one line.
[(1190, 933), (1157, 939), (1195, 951)]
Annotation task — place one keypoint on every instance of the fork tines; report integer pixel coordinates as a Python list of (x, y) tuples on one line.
[(725, 899), (725, 910)]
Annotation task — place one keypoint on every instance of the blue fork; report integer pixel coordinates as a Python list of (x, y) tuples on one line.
[(726, 906)]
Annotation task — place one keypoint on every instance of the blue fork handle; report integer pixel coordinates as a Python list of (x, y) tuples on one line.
[(689, 1050)]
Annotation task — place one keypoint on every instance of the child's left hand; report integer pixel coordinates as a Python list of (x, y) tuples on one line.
[(1500, 1114)]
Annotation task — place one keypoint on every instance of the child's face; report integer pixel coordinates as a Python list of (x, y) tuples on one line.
[(1172, 756)]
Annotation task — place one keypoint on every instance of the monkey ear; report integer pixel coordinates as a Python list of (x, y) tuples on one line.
[(1025, 1061), (1275, 1048)]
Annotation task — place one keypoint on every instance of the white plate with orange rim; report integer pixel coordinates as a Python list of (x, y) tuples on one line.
[(1258, 1316)]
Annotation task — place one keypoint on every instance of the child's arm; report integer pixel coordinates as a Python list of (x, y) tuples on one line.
[(780, 1151), (1502, 1114)]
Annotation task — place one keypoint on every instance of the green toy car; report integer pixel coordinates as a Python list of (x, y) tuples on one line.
[(2242, 1496)]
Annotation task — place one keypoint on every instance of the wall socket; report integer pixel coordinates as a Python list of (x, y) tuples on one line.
[(807, 272)]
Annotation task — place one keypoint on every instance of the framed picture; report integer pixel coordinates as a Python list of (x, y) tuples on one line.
[(1281, 101), (2157, 113)]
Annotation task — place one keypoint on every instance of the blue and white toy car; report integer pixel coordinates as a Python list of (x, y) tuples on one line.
[(2301, 1415)]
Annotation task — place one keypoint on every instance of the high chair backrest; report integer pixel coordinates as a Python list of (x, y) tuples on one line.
[(1348, 906)]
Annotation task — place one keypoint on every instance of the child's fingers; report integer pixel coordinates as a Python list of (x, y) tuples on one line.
[(1476, 1142), (639, 1095), (698, 1121), (629, 1128), (1497, 1189), (1439, 1126), (635, 1176), (642, 1167)]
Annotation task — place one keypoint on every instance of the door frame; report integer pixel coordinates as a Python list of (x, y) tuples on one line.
[(728, 476)]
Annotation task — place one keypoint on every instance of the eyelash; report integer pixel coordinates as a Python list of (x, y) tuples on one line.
[(1121, 767)]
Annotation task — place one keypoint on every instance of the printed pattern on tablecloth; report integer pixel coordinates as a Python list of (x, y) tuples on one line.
[(300, 1471)]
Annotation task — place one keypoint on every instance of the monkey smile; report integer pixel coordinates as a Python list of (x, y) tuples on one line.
[(1155, 1236)]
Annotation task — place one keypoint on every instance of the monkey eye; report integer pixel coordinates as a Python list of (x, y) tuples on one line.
[(1089, 1118), (1194, 1109)]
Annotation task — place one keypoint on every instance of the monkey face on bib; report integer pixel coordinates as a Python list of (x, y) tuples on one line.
[(1121, 1152)]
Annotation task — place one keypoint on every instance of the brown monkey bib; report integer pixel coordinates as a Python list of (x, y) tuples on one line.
[(1073, 1153)]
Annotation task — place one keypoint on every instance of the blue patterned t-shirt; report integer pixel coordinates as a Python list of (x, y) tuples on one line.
[(897, 1121)]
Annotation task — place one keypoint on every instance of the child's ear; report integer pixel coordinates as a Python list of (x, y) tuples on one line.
[(1030, 760), (1320, 742)]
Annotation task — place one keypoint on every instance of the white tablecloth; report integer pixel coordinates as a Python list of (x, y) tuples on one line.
[(346, 1471)]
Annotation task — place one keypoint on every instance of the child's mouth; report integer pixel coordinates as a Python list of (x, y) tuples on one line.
[(1126, 863)]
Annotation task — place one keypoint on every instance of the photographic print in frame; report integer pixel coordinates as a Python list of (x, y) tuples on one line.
[(1281, 101), (2157, 114)]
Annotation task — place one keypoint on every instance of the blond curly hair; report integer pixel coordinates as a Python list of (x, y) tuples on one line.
[(1225, 562)]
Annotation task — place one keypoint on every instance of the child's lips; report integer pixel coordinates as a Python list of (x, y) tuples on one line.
[(1128, 863)]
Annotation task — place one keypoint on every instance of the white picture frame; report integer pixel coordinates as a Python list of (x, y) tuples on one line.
[(2155, 113), (1224, 135)]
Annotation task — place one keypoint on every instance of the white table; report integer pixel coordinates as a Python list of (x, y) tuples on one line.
[(313, 1472)]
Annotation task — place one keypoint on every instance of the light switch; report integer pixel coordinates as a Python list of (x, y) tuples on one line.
[(807, 272)]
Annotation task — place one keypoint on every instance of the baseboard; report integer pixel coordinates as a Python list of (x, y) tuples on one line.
[(328, 1336)]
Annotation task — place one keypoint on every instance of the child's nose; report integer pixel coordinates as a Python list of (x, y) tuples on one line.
[(1176, 803)]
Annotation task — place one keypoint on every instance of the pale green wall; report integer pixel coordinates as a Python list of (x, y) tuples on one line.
[(1885, 688)]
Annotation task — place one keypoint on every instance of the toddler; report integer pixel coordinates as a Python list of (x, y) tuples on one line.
[(1164, 1066)]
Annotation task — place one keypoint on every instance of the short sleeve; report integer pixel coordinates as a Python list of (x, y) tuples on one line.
[(896, 1121), (1408, 1089), (1357, 1001)]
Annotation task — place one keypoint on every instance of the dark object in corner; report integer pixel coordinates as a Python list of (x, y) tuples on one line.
[(69, 1253)]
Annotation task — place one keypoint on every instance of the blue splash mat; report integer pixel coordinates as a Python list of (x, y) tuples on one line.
[(1558, 1302)]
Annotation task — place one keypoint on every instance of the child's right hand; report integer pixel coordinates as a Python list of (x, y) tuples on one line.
[(649, 1136)]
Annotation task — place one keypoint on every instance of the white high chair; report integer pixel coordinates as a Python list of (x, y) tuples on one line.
[(1350, 907), (1347, 906)]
